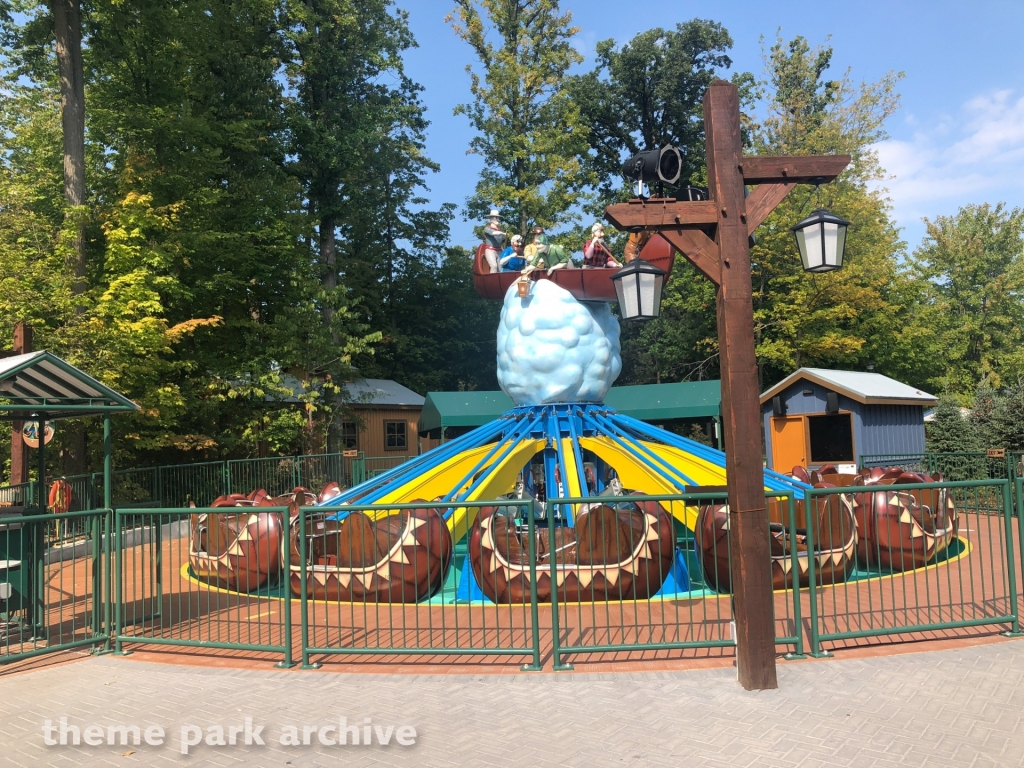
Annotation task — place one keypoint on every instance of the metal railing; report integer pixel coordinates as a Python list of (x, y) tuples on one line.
[(922, 569), (54, 591), (963, 465), (692, 608), (166, 577), (200, 483), (159, 598), (430, 617)]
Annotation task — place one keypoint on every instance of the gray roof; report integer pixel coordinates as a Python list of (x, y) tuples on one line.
[(42, 383), (378, 392), (866, 388), (366, 393)]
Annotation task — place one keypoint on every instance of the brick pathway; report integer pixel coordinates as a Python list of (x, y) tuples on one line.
[(961, 706)]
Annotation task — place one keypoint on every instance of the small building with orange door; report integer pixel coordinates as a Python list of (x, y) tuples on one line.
[(817, 416)]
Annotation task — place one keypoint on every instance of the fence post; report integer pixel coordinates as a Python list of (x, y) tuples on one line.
[(118, 580), (798, 651), (811, 510), (303, 597), (535, 666), (1011, 565), (287, 662), (549, 515)]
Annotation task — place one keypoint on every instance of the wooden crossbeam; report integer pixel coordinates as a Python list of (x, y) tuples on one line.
[(763, 200), (798, 170), (660, 213), (698, 248)]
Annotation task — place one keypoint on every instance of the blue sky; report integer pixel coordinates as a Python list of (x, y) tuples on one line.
[(958, 139)]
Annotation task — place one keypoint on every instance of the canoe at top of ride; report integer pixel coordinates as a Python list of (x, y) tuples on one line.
[(613, 553), (590, 284), (835, 538), (236, 550), (400, 558), (242, 550)]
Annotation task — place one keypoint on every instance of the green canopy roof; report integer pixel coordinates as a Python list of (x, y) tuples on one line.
[(40, 383), (659, 402), (462, 409), (648, 402)]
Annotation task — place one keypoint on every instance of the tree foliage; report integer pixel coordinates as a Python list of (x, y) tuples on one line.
[(530, 134)]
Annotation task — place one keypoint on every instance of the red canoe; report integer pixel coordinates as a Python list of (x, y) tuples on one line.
[(584, 284)]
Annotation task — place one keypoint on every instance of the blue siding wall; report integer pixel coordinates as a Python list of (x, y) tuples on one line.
[(876, 428)]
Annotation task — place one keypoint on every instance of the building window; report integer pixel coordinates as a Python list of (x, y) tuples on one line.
[(349, 435), (831, 438), (395, 436)]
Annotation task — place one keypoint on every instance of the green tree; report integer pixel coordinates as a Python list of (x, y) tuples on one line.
[(530, 134), (647, 93), (949, 431), (839, 319), (971, 304)]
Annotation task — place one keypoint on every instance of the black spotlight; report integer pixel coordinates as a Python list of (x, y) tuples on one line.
[(662, 165)]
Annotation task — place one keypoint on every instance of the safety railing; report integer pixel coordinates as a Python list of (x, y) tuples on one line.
[(932, 559), (663, 594), (340, 573), (202, 482), (204, 578), (17, 495), (53, 589), (848, 566), (962, 465)]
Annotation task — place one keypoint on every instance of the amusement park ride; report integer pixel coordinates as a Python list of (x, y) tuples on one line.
[(558, 354)]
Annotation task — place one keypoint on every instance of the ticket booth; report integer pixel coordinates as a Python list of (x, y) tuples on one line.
[(817, 416)]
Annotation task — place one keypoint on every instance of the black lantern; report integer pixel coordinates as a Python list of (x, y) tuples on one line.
[(638, 288), (821, 238)]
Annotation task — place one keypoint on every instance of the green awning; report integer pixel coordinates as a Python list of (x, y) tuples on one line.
[(660, 402), (462, 409), (40, 384), (648, 402)]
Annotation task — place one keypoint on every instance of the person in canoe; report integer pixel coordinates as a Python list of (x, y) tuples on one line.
[(595, 252), (494, 239), (512, 258), (544, 255)]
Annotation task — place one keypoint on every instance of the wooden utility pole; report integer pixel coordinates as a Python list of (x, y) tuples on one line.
[(713, 235), (19, 451)]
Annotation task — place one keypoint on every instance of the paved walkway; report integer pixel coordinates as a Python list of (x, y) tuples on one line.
[(962, 707)]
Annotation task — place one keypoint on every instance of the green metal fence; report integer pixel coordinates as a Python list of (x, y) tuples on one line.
[(443, 624), (159, 600), (942, 574), (696, 616), (202, 482), (54, 591), (125, 577), (965, 465)]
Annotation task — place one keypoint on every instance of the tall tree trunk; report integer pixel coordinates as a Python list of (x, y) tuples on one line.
[(329, 281), (67, 22)]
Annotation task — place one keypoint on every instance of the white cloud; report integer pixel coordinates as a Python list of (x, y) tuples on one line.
[(974, 156)]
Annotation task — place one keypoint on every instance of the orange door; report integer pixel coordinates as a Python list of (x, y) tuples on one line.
[(789, 447)]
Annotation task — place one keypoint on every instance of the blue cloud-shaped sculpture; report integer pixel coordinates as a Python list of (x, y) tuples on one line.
[(555, 349)]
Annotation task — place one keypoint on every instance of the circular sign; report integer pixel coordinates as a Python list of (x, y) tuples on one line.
[(30, 434)]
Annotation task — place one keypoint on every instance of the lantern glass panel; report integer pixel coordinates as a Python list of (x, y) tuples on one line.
[(829, 243), (811, 251), (648, 284), (629, 298)]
